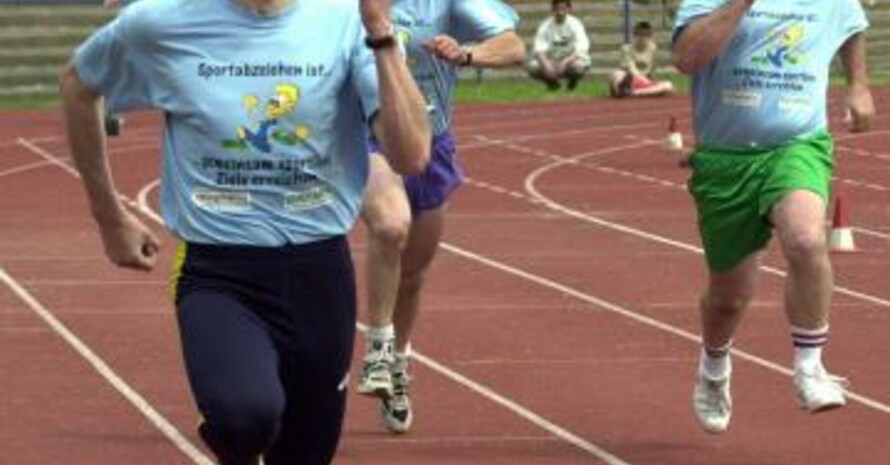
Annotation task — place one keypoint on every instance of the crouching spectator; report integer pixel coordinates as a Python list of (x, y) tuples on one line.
[(561, 49), (635, 77)]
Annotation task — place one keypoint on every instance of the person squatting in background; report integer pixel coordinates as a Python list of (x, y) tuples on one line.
[(561, 49)]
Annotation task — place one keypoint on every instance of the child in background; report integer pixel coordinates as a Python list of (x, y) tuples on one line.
[(635, 77)]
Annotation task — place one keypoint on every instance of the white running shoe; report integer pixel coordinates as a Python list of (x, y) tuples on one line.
[(376, 379), (818, 391), (712, 403), (396, 412)]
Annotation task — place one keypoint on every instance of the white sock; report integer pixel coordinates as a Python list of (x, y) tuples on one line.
[(380, 334), (808, 345), (401, 359), (715, 363)]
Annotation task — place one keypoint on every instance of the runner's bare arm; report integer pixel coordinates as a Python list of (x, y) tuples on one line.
[(503, 50), (859, 98), (127, 241), (704, 39), (500, 51), (401, 126)]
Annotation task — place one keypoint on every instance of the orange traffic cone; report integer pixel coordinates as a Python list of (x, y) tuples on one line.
[(675, 138), (841, 237)]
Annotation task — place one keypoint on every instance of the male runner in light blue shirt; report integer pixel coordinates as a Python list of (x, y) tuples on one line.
[(267, 105), (764, 162)]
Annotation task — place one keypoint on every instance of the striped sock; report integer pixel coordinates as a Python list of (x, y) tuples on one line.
[(715, 362), (808, 345)]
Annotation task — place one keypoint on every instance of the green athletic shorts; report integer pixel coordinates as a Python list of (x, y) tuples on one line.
[(735, 190)]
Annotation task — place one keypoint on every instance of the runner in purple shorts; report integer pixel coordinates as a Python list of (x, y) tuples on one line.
[(405, 217)]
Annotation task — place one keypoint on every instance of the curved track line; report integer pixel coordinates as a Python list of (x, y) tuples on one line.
[(106, 372), (531, 189), (588, 298)]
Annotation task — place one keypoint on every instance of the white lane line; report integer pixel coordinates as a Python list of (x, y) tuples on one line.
[(559, 161), (89, 282), (140, 403), (24, 168), (48, 157), (862, 185), (57, 161), (143, 205), (873, 233), (50, 160), (615, 308), (515, 407), (863, 153), (464, 124), (485, 142), (106, 372), (451, 441), (860, 135), (640, 318), (138, 135), (479, 388)]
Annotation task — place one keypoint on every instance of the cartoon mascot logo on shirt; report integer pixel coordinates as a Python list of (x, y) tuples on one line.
[(265, 125), (783, 49)]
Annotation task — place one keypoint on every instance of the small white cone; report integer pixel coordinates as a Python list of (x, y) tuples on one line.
[(840, 239), (674, 140)]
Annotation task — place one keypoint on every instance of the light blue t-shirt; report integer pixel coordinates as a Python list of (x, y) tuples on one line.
[(265, 117), (468, 21), (770, 84)]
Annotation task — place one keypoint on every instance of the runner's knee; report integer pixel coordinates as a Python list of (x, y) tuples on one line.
[(805, 247), (239, 424), (726, 300), (391, 229)]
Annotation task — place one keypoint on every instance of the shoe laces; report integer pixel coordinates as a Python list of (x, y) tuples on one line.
[(823, 375), (714, 398), (379, 354), (400, 387)]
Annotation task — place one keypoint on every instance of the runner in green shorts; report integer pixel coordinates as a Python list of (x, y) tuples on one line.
[(735, 190), (762, 167)]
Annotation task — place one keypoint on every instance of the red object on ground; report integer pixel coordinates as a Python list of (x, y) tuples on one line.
[(841, 236), (640, 82), (839, 218)]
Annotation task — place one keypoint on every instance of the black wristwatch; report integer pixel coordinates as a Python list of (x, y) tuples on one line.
[(380, 43), (468, 51)]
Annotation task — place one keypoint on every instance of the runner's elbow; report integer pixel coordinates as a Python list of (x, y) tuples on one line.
[(684, 64), (71, 87), (414, 161)]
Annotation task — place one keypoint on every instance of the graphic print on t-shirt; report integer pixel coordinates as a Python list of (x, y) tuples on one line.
[(264, 126)]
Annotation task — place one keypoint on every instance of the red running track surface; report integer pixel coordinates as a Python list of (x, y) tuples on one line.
[(559, 324)]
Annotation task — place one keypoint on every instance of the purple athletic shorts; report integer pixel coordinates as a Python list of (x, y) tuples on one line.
[(432, 188)]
